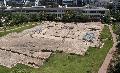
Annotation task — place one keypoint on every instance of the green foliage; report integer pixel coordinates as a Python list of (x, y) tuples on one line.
[(17, 30), (71, 16), (32, 17), (81, 18), (116, 30), (4, 69), (19, 18), (114, 66), (116, 15), (21, 69), (51, 17), (106, 19)]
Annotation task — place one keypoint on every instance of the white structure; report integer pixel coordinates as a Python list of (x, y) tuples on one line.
[(27, 2), (92, 12), (36, 3), (95, 12), (5, 3)]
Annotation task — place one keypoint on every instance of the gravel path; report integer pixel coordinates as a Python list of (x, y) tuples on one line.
[(109, 56)]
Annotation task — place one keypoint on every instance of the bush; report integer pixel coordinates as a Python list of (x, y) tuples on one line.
[(114, 66), (106, 19)]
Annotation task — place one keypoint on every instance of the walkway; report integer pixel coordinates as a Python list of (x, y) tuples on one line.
[(108, 58)]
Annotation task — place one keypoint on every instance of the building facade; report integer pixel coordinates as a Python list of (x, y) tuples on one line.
[(91, 12), (116, 4)]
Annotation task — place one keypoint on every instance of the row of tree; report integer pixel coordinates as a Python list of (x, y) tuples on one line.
[(12, 19), (74, 17)]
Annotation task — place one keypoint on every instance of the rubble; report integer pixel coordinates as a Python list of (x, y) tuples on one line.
[(33, 46)]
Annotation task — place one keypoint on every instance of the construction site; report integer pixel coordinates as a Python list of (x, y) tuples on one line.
[(34, 46)]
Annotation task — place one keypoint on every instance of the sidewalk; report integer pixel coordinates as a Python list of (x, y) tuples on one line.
[(109, 56)]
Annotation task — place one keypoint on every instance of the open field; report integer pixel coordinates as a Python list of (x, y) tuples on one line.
[(66, 63), (34, 46)]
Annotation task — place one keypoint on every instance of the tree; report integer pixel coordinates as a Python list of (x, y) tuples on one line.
[(32, 17), (116, 15), (69, 16), (18, 18), (81, 18), (43, 15), (114, 66), (106, 19), (51, 17)]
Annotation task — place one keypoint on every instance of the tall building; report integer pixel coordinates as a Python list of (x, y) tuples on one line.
[(53, 2), (73, 2), (68, 2), (83, 2), (59, 2), (79, 3), (91, 12)]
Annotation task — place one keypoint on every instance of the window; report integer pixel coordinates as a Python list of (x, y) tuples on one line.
[(102, 12), (92, 11), (84, 11)]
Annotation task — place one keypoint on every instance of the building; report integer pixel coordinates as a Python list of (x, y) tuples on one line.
[(91, 12), (101, 3), (49, 2), (68, 2), (77, 3), (116, 4)]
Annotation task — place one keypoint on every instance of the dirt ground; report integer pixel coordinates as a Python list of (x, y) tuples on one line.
[(33, 46)]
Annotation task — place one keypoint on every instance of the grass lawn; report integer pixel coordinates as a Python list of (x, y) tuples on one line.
[(66, 63), (115, 26), (19, 29)]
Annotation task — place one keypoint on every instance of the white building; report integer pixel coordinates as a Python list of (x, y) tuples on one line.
[(92, 12), (95, 12)]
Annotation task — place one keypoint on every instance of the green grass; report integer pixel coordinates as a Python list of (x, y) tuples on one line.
[(17, 30), (115, 26), (66, 63)]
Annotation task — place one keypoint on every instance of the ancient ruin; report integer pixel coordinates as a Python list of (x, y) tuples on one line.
[(34, 46)]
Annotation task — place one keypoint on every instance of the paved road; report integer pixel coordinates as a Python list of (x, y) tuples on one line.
[(108, 58)]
